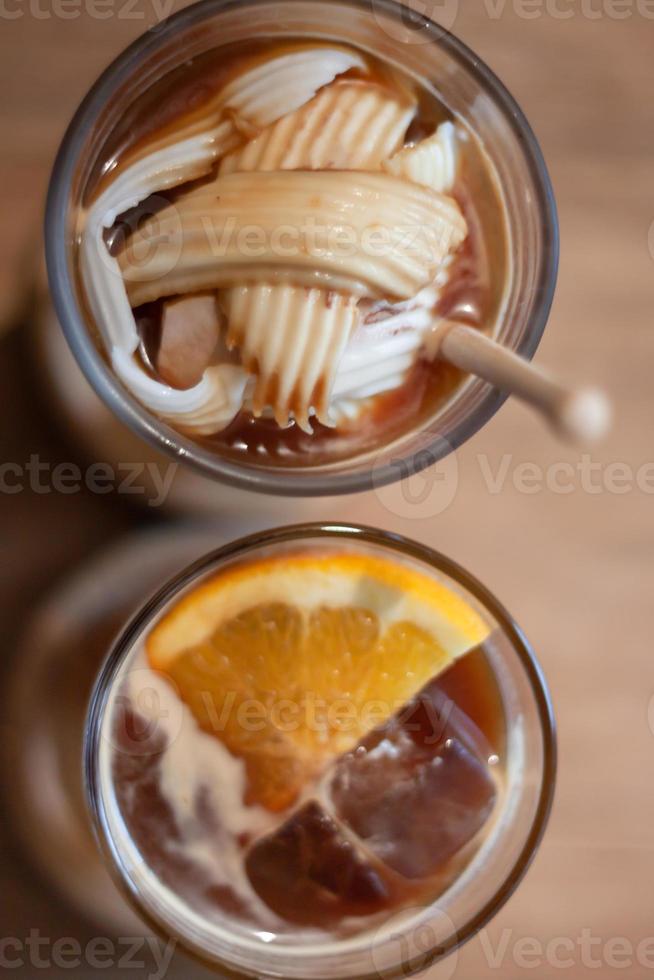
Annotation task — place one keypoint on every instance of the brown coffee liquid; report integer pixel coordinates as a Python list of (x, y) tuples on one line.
[(320, 866), (472, 295)]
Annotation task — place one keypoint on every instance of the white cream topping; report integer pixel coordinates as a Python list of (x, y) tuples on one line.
[(282, 84), (363, 233), (196, 762), (332, 348), (350, 124), (432, 162), (295, 338), (213, 403)]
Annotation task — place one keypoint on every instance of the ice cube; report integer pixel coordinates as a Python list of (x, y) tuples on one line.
[(434, 716), (190, 327), (419, 788), (308, 871)]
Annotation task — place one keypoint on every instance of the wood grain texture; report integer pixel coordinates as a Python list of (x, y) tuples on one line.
[(576, 568)]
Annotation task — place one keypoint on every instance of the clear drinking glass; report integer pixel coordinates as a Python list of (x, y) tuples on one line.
[(411, 939), (46, 700), (100, 435), (462, 82)]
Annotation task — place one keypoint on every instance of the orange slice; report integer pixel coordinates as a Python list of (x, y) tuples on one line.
[(290, 661)]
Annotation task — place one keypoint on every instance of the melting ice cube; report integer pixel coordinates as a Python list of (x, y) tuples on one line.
[(309, 871), (419, 788)]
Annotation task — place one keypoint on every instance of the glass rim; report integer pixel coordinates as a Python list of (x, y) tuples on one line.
[(289, 481), (353, 532)]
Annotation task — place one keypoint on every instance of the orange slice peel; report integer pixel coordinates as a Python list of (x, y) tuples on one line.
[(291, 660)]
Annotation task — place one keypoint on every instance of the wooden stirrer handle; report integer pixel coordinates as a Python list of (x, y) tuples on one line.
[(581, 416)]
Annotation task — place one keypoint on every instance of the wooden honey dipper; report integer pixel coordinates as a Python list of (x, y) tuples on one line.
[(579, 415)]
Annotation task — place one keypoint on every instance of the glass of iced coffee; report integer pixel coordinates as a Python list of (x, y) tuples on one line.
[(259, 217), (323, 751)]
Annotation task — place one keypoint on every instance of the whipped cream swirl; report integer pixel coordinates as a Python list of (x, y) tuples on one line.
[(312, 333)]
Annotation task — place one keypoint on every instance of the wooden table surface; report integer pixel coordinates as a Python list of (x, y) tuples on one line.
[(575, 568)]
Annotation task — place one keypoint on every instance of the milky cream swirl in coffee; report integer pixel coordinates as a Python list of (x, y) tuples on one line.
[(285, 249)]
